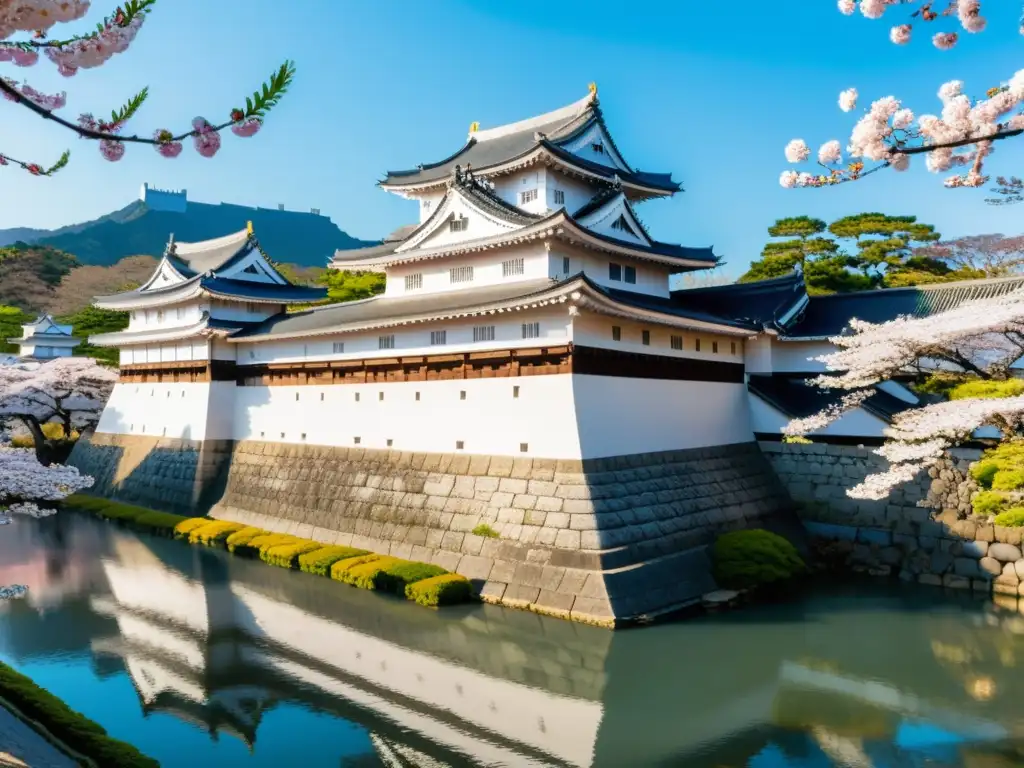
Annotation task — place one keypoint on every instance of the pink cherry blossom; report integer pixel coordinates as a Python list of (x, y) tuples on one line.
[(207, 140), (900, 35), (788, 179), (945, 40), (166, 147), (112, 150), (848, 100), (830, 153), (797, 151), (847, 7), (247, 128), (873, 9)]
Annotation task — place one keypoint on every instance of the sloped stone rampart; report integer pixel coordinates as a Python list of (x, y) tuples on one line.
[(600, 541)]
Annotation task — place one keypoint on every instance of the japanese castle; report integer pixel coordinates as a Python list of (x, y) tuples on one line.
[(527, 403), (45, 339)]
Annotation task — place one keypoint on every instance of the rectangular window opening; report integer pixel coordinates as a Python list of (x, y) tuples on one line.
[(321, 397), (714, 347), (413, 282), (282, 435), (437, 338), (357, 397), (531, 330), (629, 275), (462, 394), (559, 197), (296, 397), (524, 447), (380, 395), (459, 445), (339, 347), (513, 267), (303, 435), (386, 342), (483, 333), (616, 333), (696, 345), (565, 265), (515, 391), (615, 272), (417, 397), (390, 442), (645, 338), (676, 342), (527, 196), (357, 440), (460, 224), (460, 275), (732, 347)]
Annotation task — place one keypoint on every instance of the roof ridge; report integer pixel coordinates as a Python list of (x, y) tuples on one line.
[(216, 242), (569, 112)]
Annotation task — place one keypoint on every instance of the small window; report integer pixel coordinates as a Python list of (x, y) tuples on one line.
[(386, 342), (180, 313), (615, 272), (513, 267), (357, 397), (338, 347), (515, 391), (263, 434), (528, 196), (414, 282), (390, 442), (417, 397), (321, 397), (565, 265), (462, 394), (252, 354), (460, 274), (559, 197), (282, 435), (524, 447), (460, 224), (696, 345), (183, 393), (732, 347), (135, 315), (159, 315), (168, 393), (251, 270), (460, 444), (616, 333), (380, 395), (427, 204), (357, 440), (165, 431), (531, 330), (483, 333), (714, 347), (598, 147), (296, 397), (437, 338), (629, 275), (645, 338), (305, 350)]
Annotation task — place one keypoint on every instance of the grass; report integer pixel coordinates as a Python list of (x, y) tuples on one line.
[(485, 530), (349, 565), (72, 728)]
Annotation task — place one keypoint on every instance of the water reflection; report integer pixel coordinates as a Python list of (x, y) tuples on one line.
[(286, 664)]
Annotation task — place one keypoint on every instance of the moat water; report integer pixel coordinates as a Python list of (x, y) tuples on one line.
[(202, 659)]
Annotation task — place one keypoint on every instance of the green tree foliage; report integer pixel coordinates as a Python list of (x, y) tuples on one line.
[(90, 321), (350, 286), (11, 320), (754, 558), (877, 252)]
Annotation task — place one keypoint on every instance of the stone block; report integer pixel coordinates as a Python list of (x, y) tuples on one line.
[(974, 548), (518, 596), (990, 567), (512, 485), (583, 522), (874, 536), (511, 516), (475, 567), (503, 570), (968, 567), (952, 581), (567, 539), (986, 533), (549, 504), (931, 579), (1007, 553), (554, 603), (493, 591), (524, 501)]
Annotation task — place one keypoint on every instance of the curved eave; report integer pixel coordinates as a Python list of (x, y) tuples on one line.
[(428, 167), (557, 225), (123, 302), (66, 341), (150, 337), (553, 155)]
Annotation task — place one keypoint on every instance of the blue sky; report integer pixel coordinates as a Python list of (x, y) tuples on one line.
[(709, 91)]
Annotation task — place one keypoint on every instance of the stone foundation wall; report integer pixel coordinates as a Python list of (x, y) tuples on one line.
[(600, 541), (937, 544)]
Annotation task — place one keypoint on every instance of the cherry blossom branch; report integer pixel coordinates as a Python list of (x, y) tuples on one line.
[(34, 168), (122, 17)]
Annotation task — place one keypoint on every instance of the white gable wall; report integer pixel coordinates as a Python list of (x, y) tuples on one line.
[(255, 261), (576, 193), (651, 278), (478, 226), (583, 147), (171, 316)]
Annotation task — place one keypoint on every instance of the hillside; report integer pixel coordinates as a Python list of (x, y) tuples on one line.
[(29, 275), (297, 238)]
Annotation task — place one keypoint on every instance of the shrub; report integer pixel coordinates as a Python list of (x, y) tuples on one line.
[(74, 729), (988, 502), (1008, 480), (258, 545), (1011, 518), (158, 522), (340, 568), (485, 530), (183, 530), (1006, 458), (140, 517), (754, 558), (397, 576), (987, 389), (365, 575), (319, 561), (286, 555), (447, 589), (214, 533), (242, 537)]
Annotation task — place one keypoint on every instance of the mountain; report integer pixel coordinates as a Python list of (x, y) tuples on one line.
[(304, 239)]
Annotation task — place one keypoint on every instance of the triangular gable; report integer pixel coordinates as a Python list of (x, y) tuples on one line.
[(594, 144), (444, 226), (616, 219), (164, 275), (251, 267), (45, 325)]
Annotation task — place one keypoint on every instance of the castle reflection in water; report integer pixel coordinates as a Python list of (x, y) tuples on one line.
[(219, 642)]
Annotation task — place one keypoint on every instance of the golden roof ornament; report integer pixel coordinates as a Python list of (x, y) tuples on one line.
[(592, 87), (474, 127), (248, 227)]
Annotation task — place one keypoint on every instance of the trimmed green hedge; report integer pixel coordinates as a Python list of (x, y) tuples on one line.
[(447, 589), (348, 565), (754, 558), (73, 728), (319, 561)]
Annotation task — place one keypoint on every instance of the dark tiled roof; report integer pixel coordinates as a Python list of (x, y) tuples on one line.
[(798, 399), (763, 302), (596, 202), (662, 249), (667, 306), (212, 255), (830, 315), (490, 202), (401, 233), (243, 289), (386, 308), (662, 181)]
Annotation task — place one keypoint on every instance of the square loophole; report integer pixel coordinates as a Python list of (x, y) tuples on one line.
[(460, 444), (390, 442), (515, 391), (357, 440), (524, 447), (462, 394)]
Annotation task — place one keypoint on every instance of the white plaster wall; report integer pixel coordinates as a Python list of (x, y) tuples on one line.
[(427, 204), (758, 354), (622, 416), (486, 265), (490, 420), (159, 410), (509, 187), (577, 192), (245, 311), (478, 226), (254, 259), (171, 316), (582, 146), (174, 351), (856, 423), (792, 356), (46, 351), (414, 339), (651, 279), (594, 330)]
